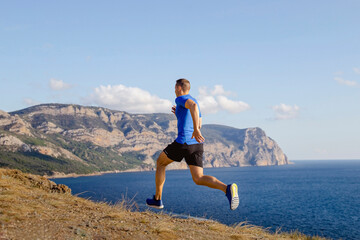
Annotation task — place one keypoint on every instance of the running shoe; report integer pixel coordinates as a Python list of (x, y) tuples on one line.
[(232, 195), (152, 202)]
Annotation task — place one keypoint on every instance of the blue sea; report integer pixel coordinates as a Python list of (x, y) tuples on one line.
[(314, 197)]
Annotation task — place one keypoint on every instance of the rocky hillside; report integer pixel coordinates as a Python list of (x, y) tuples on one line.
[(59, 138)]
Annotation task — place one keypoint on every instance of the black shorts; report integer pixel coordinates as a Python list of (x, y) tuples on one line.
[(193, 154)]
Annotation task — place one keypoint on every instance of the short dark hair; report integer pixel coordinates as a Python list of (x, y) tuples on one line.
[(184, 83)]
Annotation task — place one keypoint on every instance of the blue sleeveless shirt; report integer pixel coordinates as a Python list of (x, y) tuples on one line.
[(184, 120)]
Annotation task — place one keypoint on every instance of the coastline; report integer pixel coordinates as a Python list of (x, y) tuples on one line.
[(57, 175), (75, 175)]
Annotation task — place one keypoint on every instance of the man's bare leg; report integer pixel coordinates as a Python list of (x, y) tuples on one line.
[(161, 164), (199, 178)]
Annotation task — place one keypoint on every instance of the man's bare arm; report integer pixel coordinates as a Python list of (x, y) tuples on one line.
[(194, 110)]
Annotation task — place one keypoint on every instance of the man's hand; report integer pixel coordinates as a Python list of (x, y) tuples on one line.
[(197, 135), (173, 109)]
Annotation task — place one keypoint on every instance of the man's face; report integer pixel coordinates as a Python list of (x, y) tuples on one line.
[(177, 90)]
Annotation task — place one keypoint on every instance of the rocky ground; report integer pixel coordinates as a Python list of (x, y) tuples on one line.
[(32, 207)]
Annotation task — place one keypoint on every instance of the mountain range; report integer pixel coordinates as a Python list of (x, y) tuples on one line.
[(55, 139)]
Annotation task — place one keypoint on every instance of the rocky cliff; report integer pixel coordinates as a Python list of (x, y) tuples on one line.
[(51, 138)]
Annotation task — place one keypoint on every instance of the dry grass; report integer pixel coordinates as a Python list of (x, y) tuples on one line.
[(32, 208)]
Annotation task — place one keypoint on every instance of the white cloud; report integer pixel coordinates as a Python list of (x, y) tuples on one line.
[(219, 90), (136, 100), (30, 102), (57, 85), (284, 112), (356, 70), (130, 99), (208, 104), (215, 100), (345, 82), (232, 106)]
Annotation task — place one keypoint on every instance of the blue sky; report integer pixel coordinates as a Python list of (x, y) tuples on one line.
[(289, 67)]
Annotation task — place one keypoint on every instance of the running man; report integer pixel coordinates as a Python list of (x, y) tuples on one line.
[(188, 145)]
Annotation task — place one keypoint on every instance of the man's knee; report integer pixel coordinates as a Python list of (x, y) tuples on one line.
[(197, 180), (163, 160), (197, 174)]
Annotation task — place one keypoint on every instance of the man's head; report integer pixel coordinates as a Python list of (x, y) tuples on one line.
[(182, 87)]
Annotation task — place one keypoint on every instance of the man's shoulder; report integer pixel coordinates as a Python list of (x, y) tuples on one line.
[(182, 99), (186, 97), (192, 98)]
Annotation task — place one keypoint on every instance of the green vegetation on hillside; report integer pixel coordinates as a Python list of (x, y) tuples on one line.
[(95, 158), (33, 162)]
